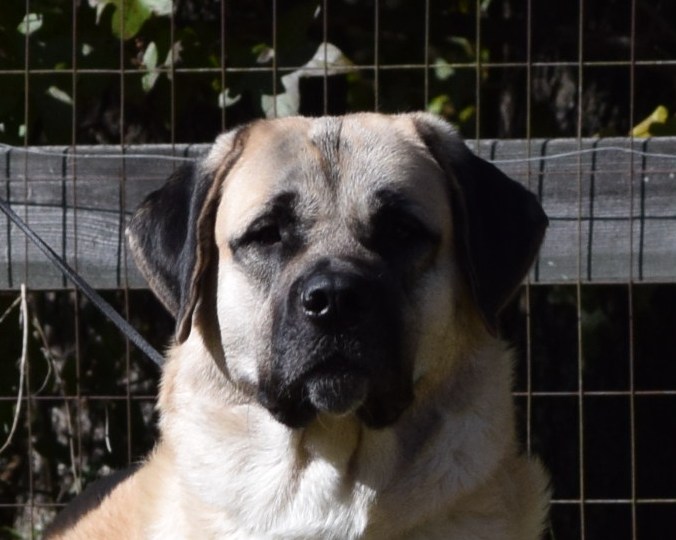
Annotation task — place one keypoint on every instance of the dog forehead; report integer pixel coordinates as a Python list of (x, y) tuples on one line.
[(341, 161), (381, 152), (277, 157)]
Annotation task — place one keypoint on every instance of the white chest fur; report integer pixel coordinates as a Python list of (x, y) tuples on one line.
[(450, 457)]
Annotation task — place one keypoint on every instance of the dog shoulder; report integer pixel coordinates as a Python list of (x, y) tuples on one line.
[(125, 505), (78, 518)]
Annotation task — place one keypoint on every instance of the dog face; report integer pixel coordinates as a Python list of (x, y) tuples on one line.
[(329, 261), (329, 257)]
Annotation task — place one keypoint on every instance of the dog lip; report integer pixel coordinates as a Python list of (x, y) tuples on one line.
[(336, 391), (334, 385), (292, 414)]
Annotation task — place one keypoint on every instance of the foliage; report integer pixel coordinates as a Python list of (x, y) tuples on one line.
[(174, 85), (658, 123), (129, 16)]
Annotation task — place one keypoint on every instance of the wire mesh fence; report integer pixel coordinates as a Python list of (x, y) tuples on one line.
[(594, 326)]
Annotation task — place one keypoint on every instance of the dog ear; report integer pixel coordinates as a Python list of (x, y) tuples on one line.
[(499, 225), (172, 233)]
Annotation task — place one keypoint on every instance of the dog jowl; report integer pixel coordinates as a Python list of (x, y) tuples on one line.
[(336, 284)]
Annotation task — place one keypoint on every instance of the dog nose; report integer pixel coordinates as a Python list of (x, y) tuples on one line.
[(335, 297)]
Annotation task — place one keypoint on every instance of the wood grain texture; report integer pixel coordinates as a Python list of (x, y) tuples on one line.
[(611, 204)]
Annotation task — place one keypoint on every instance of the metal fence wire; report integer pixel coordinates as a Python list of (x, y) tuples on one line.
[(102, 99)]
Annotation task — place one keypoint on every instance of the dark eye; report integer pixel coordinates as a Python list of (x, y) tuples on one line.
[(396, 229), (405, 229), (396, 232), (265, 233)]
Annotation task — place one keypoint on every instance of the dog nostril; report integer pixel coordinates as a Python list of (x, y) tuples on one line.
[(316, 302), (339, 298)]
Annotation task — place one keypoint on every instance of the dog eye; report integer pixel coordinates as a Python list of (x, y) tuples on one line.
[(406, 229), (395, 230), (401, 228), (263, 234)]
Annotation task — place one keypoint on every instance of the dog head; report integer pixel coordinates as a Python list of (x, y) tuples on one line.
[(326, 258)]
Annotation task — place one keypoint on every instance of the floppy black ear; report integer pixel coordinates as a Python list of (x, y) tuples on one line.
[(172, 233), (499, 225)]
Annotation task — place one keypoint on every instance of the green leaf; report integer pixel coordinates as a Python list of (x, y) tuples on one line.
[(150, 63), (150, 56), (159, 7), (465, 45), (644, 128), (32, 22), (264, 54), (327, 60), (129, 15), (148, 80), (225, 99), (441, 106), (442, 69), (59, 95), (467, 113), (129, 18), (173, 56)]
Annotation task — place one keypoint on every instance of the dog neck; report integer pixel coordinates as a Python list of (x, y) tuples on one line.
[(335, 477)]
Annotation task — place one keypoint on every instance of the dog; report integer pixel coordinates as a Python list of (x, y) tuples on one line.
[(336, 373)]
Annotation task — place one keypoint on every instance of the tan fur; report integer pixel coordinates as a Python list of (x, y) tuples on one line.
[(449, 468)]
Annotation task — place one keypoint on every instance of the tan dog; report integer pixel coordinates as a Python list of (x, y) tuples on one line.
[(335, 375)]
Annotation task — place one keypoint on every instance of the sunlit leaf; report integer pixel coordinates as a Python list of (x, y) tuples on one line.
[(128, 21), (32, 22), (173, 57), (442, 69), (225, 99), (285, 104), (150, 64), (148, 80), (264, 54), (464, 44), (130, 15), (59, 95), (327, 60), (150, 56), (99, 5), (658, 116), (159, 7)]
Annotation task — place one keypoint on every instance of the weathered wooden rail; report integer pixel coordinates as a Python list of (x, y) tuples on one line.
[(611, 203)]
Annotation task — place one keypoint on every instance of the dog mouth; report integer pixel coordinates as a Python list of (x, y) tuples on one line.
[(336, 390), (337, 387), (332, 386)]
